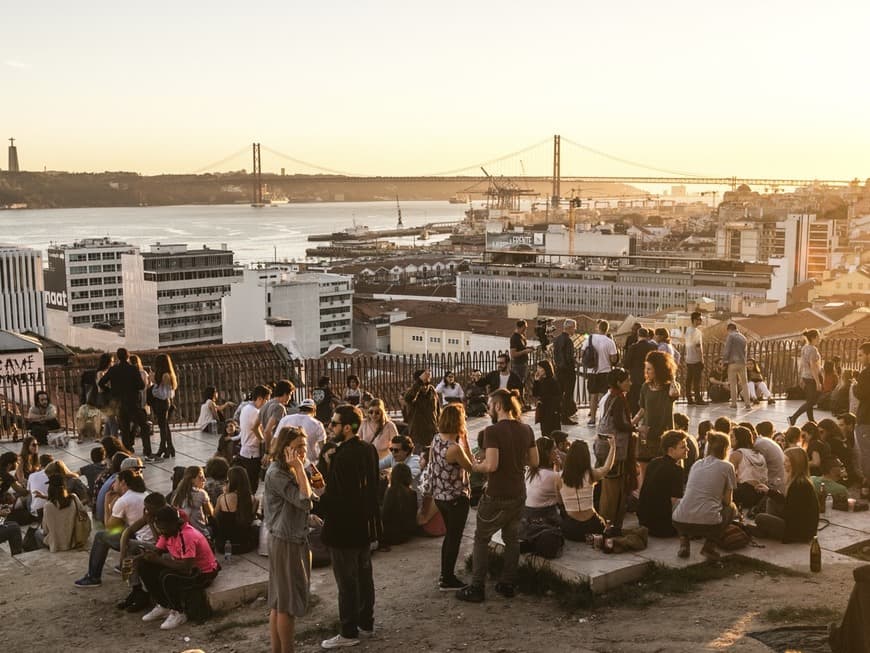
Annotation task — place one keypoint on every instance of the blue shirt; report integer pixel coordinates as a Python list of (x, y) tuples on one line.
[(100, 506)]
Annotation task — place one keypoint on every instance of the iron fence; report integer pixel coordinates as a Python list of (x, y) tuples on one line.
[(386, 377)]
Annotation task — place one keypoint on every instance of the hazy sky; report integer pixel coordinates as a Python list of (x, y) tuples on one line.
[(386, 87)]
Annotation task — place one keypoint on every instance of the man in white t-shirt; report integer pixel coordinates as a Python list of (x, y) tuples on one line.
[(251, 435), (694, 361), (37, 485), (596, 382), (313, 428), (127, 510)]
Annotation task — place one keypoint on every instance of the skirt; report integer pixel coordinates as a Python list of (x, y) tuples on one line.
[(289, 576)]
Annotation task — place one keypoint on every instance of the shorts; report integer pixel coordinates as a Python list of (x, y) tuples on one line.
[(596, 384)]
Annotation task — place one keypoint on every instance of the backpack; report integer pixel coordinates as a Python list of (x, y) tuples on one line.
[(589, 359)]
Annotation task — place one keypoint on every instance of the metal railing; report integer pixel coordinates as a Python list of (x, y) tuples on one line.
[(386, 377)]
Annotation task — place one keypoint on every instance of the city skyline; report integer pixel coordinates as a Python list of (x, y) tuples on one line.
[(380, 89)]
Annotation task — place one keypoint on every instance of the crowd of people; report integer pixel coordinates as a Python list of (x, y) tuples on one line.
[(341, 478)]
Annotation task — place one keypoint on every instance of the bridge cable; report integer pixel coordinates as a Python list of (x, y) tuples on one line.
[(490, 162), (629, 162), (232, 156), (312, 165)]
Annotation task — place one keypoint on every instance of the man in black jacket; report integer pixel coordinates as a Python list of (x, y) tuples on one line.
[(124, 382), (502, 377), (635, 358), (351, 522), (564, 356), (862, 415)]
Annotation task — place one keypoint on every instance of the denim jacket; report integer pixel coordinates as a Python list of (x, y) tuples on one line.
[(285, 509)]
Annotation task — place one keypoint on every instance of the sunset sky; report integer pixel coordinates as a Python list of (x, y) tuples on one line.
[(767, 88)]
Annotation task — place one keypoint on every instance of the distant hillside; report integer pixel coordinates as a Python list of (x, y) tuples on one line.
[(69, 190)]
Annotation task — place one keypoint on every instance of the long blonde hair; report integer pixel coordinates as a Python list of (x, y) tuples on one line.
[(800, 466)]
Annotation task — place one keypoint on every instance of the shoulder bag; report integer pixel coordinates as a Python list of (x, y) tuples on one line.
[(81, 531)]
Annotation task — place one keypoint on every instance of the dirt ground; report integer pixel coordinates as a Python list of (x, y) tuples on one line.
[(42, 608)]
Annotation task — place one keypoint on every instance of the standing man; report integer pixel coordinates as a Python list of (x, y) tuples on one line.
[(424, 407), (734, 356), (502, 377), (351, 522), (315, 434), (862, 416), (694, 361), (564, 357), (509, 446), (275, 409), (251, 435), (635, 359), (519, 353), (596, 382), (631, 339), (124, 382)]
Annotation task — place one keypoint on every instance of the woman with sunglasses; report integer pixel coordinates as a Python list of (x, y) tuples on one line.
[(449, 390), (377, 429)]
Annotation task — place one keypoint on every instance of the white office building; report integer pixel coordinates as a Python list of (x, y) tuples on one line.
[(190, 287), (22, 291)]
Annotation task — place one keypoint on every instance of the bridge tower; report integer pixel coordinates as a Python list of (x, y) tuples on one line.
[(13, 156), (257, 196), (557, 170)]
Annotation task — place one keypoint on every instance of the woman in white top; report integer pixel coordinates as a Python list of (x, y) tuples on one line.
[(449, 390), (542, 489), (164, 383), (810, 369), (576, 487), (750, 466), (377, 428)]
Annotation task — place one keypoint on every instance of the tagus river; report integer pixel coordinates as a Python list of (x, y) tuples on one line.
[(262, 234)]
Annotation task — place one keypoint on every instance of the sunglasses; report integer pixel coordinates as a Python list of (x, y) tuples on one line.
[(334, 423), (396, 450)]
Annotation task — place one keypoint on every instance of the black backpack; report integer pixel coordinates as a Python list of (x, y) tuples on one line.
[(589, 359)]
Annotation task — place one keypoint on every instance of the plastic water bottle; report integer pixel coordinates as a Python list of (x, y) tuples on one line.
[(829, 502), (228, 551)]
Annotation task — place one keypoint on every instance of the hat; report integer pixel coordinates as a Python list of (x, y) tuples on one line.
[(308, 403), (132, 463)]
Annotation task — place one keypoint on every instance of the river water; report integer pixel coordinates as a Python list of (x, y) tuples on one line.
[(262, 234)]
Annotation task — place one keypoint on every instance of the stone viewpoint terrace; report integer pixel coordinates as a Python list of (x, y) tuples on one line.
[(247, 576)]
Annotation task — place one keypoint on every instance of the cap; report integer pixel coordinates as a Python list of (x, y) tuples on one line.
[(307, 403), (132, 463)]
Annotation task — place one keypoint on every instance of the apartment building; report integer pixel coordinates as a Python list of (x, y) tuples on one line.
[(22, 296), (190, 287)]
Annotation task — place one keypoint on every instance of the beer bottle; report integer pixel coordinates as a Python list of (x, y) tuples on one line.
[(815, 556), (823, 495)]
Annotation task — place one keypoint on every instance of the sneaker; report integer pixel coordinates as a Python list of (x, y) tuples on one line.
[(157, 612), (139, 601), (685, 548), (506, 590), (791, 420), (174, 620), (771, 401), (732, 405), (87, 581), (701, 402), (339, 642), (117, 569), (450, 584), (471, 594), (709, 551), (362, 633), (123, 604), (591, 422)]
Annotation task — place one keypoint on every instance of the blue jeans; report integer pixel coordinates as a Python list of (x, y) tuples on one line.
[(103, 542)]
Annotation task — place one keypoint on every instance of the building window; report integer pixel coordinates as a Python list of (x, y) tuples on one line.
[(417, 338)]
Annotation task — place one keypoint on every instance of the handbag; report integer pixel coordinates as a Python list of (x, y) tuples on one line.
[(81, 532)]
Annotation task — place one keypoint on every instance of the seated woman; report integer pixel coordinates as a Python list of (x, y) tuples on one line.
[(59, 515), (399, 512), (576, 487), (353, 393), (234, 515), (758, 390), (707, 507), (840, 395), (816, 448), (178, 571), (830, 381), (750, 467), (832, 435), (798, 511), (718, 388), (216, 478), (449, 390), (193, 499), (377, 428), (542, 490), (28, 460), (211, 413)]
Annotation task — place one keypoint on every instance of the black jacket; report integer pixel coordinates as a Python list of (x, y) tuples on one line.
[(124, 383), (349, 506), (862, 392), (635, 357), (491, 382)]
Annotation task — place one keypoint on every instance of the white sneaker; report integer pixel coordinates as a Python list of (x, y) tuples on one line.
[(157, 613), (339, 642), (174, 620)]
